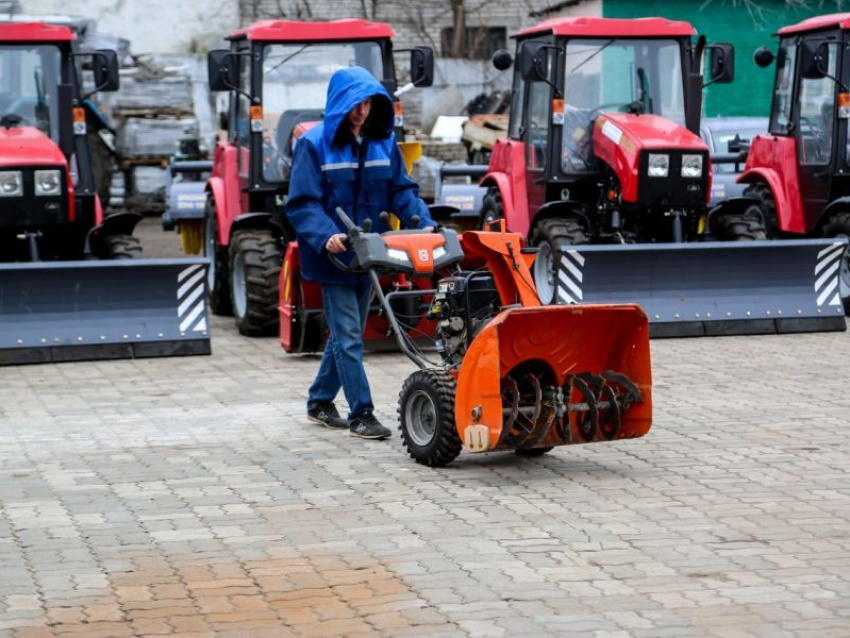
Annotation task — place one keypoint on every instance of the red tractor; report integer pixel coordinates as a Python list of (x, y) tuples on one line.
[(277, 73), (800, 171), (47, 186), (69, 289), (603, 144)]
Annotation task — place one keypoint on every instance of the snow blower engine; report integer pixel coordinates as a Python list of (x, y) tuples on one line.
[(505, 372)]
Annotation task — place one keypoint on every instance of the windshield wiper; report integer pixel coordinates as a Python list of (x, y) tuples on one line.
[(593, 55), (289, 57)]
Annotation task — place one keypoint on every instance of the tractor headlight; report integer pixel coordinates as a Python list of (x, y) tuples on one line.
[(48, 182), (11, 184), (439, 251), (398, 255), (691, 165), (659, 165)]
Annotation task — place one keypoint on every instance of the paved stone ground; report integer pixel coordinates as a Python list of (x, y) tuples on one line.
[(190, 497)]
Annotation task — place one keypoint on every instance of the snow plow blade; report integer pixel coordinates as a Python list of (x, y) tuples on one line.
[(713, 288), (88, 310), (539, 377)]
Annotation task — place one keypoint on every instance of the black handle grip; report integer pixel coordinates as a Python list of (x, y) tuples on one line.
[(414, 221), (346, 220), (367, 225), (385, 217)]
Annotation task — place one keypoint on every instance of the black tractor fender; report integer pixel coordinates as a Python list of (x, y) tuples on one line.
[(270, 221), (560, 208), (731, 205), (114, 224)]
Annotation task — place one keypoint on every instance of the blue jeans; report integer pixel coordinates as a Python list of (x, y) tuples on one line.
[(346, 308)]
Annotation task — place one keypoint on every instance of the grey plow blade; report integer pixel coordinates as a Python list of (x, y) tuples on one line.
[(713, 288), (86, 310)]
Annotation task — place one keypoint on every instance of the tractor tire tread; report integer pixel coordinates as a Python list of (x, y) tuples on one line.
[(446, 444), (220, 301), (741, 227), (492, 203), (123, 247), (263, 259)]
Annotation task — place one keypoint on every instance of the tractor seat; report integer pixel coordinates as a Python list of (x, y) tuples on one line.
[(287, 123)]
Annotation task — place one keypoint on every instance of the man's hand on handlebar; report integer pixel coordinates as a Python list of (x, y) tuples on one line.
[(336, 243)]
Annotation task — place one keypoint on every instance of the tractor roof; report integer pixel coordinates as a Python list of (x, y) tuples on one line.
[(34, 32), (293, 31), (611, 27), (840, 20)]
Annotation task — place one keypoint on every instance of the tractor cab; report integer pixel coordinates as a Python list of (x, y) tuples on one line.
[(47, 185), (805, 157), (605, 115), (277, 73)]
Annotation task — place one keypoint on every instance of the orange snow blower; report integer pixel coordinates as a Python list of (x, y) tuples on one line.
[(506, 372)]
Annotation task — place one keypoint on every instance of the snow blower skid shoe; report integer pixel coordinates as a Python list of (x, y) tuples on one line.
[(509, 373)]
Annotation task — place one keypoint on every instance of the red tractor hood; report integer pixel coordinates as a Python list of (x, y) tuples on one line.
[(27, 146), (619, 138)]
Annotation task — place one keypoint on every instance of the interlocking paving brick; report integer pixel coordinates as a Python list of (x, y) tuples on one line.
[(190, 497)]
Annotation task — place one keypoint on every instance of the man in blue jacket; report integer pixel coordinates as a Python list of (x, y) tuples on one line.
[(350, 160)]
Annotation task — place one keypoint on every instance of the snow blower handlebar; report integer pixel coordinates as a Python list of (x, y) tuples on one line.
[(415, 252)]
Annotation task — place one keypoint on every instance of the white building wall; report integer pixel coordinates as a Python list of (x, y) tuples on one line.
[(151, 26)]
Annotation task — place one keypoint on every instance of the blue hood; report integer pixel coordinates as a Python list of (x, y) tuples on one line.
[(348, 88)]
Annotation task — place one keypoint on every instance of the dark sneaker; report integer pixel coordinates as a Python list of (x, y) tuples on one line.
[(326, 414), (368, 427)]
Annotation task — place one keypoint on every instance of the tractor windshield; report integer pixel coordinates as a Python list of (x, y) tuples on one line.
[(295, 84), (29, 75), (617, 75)]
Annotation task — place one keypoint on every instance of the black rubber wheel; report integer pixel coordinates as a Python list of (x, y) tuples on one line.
[(491, 209), (426, 409), (534, 452), (767, 206), (218, 277), (839, 226), (255, 260), (746, 226), (550, 235), (122, 247)]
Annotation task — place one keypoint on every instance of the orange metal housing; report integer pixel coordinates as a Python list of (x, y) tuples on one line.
[(560, 340)]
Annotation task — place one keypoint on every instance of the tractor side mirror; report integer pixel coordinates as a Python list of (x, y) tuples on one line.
[(533, 62), (814, 59), (502, 60), (721, 62), (763, 57), (223, 72), (105, 67), (422, 66)]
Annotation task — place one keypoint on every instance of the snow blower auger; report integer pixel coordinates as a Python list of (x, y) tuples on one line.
[(512, 374)]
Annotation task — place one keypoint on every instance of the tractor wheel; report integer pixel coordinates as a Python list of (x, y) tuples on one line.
[(550, 235), (746, 226), (491, 209), (767, 206), (217, 275), (122, 247), (534, 452), (426, 408), (839, 226), (255, 261)]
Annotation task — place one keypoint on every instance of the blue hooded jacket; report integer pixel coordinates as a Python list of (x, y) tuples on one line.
[(331, 169)]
